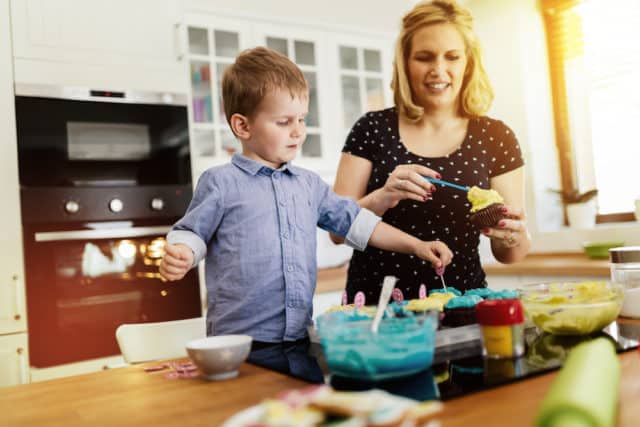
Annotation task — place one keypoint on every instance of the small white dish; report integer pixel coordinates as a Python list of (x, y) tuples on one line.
[(219, 357)]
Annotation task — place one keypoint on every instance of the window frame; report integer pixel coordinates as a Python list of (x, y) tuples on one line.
[(557, 57)]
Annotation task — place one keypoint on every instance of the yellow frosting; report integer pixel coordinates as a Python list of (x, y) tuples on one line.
[(481, 198), (573, 309), (367, 310), (435, 301)]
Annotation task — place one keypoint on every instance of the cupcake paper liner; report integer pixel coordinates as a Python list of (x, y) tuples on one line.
[(487, 217)]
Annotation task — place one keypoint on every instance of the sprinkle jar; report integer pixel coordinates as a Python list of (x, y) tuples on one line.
[(502, 326)]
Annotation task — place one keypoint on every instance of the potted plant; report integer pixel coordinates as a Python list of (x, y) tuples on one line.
[(580, 208)]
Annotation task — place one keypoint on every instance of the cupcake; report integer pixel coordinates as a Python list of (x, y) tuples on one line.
[(450, 290), (460, 311), (421, 305), (486, 207), (481, 292), (504, 294), (487, 293)]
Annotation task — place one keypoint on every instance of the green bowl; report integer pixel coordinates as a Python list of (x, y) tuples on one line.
[(599, 250)]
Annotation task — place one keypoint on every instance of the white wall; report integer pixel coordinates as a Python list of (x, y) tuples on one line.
[(360, 15)]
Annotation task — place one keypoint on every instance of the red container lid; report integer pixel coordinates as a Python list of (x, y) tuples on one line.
[(499, 312)]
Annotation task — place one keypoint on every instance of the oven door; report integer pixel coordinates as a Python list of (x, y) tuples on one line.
[(82, 284)]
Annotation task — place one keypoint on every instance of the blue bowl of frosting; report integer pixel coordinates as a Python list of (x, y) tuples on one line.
[(403, 345)]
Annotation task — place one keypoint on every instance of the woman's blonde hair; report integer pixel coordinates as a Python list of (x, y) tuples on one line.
[(476, 94)]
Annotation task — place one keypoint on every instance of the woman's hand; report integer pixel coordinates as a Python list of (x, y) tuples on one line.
[(407, 182), (510, 232)]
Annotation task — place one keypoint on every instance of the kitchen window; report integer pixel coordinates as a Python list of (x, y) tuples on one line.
[(595, 69)]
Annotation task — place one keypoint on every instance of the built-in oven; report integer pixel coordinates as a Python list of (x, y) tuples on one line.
[(103, 176)]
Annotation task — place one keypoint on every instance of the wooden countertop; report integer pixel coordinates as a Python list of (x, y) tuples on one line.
[(552, 264), (130, 396), (549, 264)]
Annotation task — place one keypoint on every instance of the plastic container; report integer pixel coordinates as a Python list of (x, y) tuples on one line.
[(502, 326), (402, 346), (625, 270)]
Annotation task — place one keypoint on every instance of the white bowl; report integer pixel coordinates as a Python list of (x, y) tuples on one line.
[(219, 357)]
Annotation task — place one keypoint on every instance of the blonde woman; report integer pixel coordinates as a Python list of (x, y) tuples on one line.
[(438, 128)]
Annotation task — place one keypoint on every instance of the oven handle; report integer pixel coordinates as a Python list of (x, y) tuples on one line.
[(114, 233)]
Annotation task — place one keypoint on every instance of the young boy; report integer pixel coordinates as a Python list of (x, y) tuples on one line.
[(255, 218)]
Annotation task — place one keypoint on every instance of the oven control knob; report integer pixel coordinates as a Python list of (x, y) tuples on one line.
[(71, 207), (115, 205), (157, 204)]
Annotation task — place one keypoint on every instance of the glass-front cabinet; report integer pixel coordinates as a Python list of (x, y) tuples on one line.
[(307, 49), (364, 68), (347, 76), (211, 46)]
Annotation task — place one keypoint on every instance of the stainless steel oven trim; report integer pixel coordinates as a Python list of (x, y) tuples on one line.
[(84, 94), (118, 233)]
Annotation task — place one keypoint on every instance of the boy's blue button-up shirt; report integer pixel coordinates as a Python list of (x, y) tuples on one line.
[(256, 226)]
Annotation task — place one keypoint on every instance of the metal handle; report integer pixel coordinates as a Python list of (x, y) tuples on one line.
[(84, 94), (179, 40), (115, 233)]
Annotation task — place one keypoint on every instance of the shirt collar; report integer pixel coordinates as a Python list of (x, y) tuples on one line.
[(252, 167)]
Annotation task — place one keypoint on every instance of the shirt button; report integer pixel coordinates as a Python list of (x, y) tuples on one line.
[(283, 203), (276, 175), (285, 235), (290, 268)]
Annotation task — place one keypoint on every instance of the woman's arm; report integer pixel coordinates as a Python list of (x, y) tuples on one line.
[(405, 182), (510, 239)]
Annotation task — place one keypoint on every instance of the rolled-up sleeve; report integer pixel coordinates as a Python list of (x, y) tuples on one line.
[(190, 239), (361, 229), (343, 217)]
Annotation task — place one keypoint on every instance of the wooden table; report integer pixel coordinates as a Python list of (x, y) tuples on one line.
[(130, 396)]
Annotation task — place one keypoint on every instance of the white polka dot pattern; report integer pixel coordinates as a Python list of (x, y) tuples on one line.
[(489, 149)]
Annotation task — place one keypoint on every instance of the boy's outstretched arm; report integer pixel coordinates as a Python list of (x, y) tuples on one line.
[(389, 238)]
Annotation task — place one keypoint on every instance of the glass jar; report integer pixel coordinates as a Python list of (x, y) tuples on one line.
[(625, 270), (502, 326)]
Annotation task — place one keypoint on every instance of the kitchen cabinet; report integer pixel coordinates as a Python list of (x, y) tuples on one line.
[(114, 45), (13, 323), (14, 360), (347, 76)]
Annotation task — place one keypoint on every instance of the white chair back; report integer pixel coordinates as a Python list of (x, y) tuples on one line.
[(142, 342)]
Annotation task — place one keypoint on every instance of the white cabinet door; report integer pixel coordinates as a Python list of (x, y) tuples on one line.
[(96, 31), (363, 70), (14, 360), (12, 309)]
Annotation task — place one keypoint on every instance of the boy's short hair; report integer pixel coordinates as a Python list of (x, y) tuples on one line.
[(254, 73)]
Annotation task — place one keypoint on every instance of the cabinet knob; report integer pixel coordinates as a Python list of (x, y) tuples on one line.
[(19, 350), (17, 317)]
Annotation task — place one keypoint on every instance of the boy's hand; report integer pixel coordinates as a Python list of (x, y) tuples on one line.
[(436, 252), (177, 261)]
